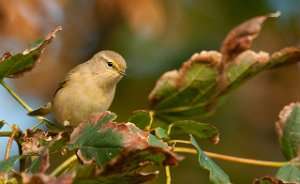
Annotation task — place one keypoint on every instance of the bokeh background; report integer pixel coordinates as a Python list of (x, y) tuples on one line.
[(156, 36)]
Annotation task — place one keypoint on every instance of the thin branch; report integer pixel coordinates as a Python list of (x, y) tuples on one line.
[(9, 143), (64, 165), (5, 134), (15, 96), (21, 102), (168, 175), (233, 159)]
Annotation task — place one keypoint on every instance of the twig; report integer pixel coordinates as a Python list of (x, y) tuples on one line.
[(21, 102), (10, 140), (168, 175), (232, 158), (64, 165)]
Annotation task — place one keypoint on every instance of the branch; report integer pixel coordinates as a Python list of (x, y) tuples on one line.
[(10, 140)]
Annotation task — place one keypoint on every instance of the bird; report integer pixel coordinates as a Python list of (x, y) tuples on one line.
[(87, 88)]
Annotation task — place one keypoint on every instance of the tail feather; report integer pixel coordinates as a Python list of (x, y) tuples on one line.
[(42, 111)]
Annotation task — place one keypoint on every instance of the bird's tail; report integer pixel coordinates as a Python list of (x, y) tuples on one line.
[(42, 111)]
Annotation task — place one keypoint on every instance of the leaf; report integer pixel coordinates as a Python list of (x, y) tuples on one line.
[(187, 89), (39, 164), (289, 173), (240, 38), (288, 130), (161, 133), (1, 124), (15, 65), (200, 130), (199, 86), (127, 167), (7, 165), (42, 178), (98, 139), (270, 180), (217, 175), (141, 119)]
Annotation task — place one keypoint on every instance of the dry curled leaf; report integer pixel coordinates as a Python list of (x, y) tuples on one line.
[(270, 180), (46, 179), (240, 38)]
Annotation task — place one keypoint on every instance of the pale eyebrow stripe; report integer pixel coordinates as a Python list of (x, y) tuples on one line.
[(111, 60)]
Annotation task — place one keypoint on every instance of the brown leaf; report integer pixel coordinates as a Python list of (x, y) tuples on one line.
[(270, 179), (241, 37), (286, 55), (5, 56), (46, 179), (31, 141)]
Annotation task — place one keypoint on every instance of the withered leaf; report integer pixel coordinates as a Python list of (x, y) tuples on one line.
[(42, 178), (270, 180), (15, 65), (127, 166), (240, 38)]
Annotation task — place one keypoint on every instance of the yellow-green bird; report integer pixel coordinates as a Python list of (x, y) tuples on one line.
[(87, 88)]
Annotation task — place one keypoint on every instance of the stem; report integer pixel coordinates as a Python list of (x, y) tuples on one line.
[(168, 175), (9, 143), (21, 102), (15, 96), (233, 159), (37, 125), (180, 141), (5, 134), (64, 165), (151, 114)]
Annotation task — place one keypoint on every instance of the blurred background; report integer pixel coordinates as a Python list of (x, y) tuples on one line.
[(156, 36)]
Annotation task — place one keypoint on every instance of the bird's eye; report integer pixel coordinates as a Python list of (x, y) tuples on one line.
[(109, 64)]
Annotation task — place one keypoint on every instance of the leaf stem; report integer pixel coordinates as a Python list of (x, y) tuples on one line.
[(21, 102), (232, 158), (64, 165), (168, 174), (15, 96), (151, 115), (10, 140), (180, 141)]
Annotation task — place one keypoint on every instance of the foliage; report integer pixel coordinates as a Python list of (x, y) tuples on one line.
[(101, 150)]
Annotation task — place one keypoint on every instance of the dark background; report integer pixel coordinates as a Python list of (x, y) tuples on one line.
[(156, 36)]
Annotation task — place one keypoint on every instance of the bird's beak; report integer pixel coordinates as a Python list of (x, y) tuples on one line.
[(123, 73)]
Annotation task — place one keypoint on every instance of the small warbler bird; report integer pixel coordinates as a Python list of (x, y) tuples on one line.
[(89, 87)]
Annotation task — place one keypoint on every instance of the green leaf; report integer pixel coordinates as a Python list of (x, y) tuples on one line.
[(14, 65), (217, 175), (200, 130), (196, 89), (289, 173), (161, 133), (7, 165), (141, 119), (39, 164), (190, 87), (99, 139), (288, 130)]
